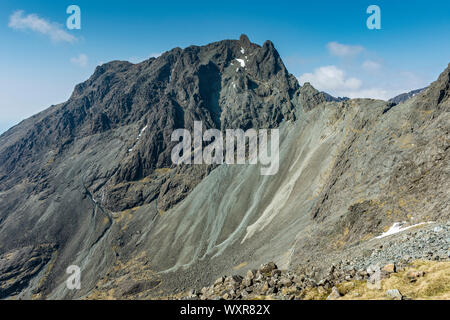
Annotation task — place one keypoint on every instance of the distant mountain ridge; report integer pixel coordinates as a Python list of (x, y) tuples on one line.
[(405, 96), (330, 98)]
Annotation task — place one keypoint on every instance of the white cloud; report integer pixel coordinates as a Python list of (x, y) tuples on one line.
[(373, 93), (369, 84), (411, 79), (343, 50), (334, 81), (330, 78), (33, 22), (81, 60), (370, 65)]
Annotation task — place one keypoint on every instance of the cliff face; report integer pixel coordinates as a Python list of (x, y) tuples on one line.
[(228, 84), (90, 181)]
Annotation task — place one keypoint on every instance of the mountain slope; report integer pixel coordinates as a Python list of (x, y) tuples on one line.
[(349, 171), (90, 181)]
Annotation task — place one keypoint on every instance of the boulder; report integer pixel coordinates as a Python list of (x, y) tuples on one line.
[(335, 294), (394, 294), (267, 267), (389, 268), (413, 275)]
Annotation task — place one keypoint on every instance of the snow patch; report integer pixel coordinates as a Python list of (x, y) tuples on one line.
[(142, 131), (398, 227), (242, 62), (242, 50)]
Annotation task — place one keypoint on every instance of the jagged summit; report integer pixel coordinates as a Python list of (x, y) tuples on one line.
[(310, 97), (244, 40), (226, 84), (438, 92)]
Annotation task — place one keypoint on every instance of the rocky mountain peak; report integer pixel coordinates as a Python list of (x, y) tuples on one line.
[(438, 92), (244, 41), (225, 84), (310, 97)]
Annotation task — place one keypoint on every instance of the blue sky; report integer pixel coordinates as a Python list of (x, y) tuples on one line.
[(324, 42)]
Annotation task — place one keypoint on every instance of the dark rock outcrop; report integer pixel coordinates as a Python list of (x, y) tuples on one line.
[(227, 84), (19, 266)]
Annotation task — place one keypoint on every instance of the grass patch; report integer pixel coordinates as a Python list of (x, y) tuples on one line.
[(162, 170), (434, 285), (240, 266)]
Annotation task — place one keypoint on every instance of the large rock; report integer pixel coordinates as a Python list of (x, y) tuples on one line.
[(394, 294), (335, 294), (267, 267)]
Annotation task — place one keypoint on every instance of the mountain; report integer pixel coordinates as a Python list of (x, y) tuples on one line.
[(90, 182), (66, 171), (310, 97), (121, 100), (405, 96), (331, 98)]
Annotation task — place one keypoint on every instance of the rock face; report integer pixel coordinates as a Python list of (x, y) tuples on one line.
[(310, 97), (228, 84), (93, 178), (18, 267)]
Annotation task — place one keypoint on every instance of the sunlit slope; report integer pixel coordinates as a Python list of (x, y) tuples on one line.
[(338, 183)]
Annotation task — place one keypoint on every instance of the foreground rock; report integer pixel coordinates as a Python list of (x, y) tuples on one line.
[(288, 285), (394, 294), (350, 279)]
